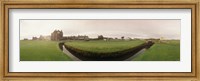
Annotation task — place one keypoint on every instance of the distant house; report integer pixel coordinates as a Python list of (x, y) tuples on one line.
[(79, 37), (34, 38), (82, 37), (25, 39), (44, 37), (153, 40), (57, 35), (69, 38), (160, 40)]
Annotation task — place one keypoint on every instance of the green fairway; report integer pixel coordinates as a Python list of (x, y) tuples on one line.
[(35, 50), (165, 51), (101, 46)]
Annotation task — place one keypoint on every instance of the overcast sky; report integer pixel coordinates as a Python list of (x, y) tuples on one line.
[(169, 29)]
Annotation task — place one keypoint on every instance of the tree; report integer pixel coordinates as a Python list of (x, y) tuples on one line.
[(100, 37), (122, 37)]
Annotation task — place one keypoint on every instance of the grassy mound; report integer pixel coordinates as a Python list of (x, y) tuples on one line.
[(112, 53)]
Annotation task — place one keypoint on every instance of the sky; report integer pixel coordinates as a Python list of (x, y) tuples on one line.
[(133, 28)]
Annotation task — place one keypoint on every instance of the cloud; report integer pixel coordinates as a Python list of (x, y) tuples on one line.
[(150, 28)]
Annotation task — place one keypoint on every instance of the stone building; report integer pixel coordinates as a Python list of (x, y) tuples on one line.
[(57, 35)]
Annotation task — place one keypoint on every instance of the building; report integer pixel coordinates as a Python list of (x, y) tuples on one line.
[(153, 40), (79, 37), (57, 35), (34, 38), (44, 37), (25, 39)]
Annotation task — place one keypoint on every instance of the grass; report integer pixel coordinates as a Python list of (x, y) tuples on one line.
[(41, 51), (49, 50), (165, 51), (101, 46)]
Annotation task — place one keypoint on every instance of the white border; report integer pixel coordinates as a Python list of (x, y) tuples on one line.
[(100, 66)]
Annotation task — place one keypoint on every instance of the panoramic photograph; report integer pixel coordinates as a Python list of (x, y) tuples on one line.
[(100, 39)]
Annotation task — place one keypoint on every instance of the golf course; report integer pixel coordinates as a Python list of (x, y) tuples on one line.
[(101, 46), (40, 50), (44, 50), (161, 51)]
